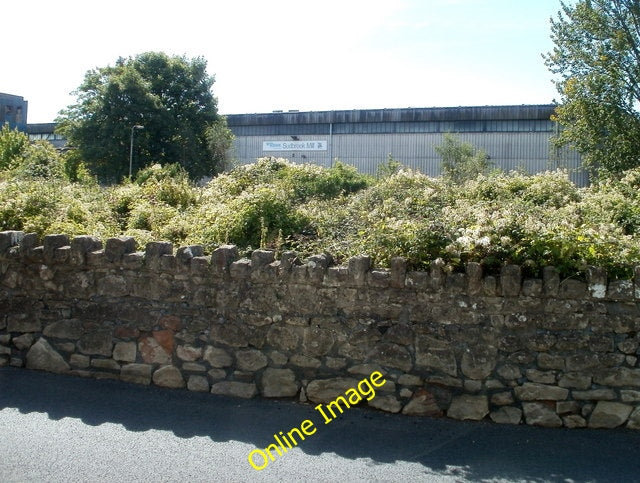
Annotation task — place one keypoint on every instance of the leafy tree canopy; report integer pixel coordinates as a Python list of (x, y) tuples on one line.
[(13, 143), (597, 58), (461, 161), (170, 97)]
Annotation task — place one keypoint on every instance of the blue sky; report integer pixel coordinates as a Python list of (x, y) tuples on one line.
[(291, 54)]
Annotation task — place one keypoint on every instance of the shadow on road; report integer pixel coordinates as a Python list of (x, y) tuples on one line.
[(481, 451)]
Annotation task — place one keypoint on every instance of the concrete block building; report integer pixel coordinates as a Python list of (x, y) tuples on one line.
[(13, 110)]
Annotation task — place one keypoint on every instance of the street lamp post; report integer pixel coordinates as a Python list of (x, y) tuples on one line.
[(133, 128)]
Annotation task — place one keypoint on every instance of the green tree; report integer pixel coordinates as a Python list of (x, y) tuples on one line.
[(13, 144), (461, 161), (219, 140), (40, 160), (170, 97), (597, 59)]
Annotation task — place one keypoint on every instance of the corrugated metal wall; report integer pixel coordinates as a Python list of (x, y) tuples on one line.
[(530, 151)]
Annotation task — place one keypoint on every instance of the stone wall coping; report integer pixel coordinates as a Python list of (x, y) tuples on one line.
[(59, 250)]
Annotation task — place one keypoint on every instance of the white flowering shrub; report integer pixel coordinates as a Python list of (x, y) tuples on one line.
[(493, 219)]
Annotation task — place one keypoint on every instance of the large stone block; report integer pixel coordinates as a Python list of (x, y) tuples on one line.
[(531, 391), (388, 403), (572, 289), (81, 245), (628, 395), (125, 351), (617, 377), (285, 339), (22, 342), (602, 394), (230, 334), (540, 414), (51, 243), (112, 285), (96, 343), (550, 281), (634, 419), (620, 290), (574, 421), (437, 275), (235, 389), (240, 269), (10, 239), (168, 376), (185, 254), (597, 282), (116, 248), (278, 383), (188, 353), (326, 390), (64, 329), (468, 407), (548, 361), (575, 380), (105, 364), (511, 280), (439, 359), (261, 258), (507, 415), (43, 357), (223, 256), (391, 355), (155, 253), (401, 334), (304, 361), (217, 357), (152, 352), (250, 360), (198, 383), (358, 268), (609, 414), (478, 362), (136, 373), (474, 278), (79, 361), (315, 341), (398, 266), (423, 403)]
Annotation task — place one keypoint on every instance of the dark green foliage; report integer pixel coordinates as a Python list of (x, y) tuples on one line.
[(170, 97), (461, 161), (13, 144), (596, 56), (492, 219)]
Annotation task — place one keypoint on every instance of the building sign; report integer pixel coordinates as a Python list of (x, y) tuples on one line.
[(294, 145)]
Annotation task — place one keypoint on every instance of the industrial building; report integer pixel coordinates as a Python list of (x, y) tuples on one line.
[(13, 110), (514, 137), (46, 132)]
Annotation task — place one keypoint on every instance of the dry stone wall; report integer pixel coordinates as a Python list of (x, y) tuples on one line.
[(547, 351)]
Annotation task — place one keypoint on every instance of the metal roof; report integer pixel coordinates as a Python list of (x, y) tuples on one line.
[(494, 113), (41, 128)]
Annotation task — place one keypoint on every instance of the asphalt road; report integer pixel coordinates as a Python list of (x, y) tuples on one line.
[(61, 428)]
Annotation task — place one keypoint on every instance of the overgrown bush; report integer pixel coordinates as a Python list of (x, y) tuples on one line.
[(461, 161), (54, 206), (492, 218), (40, 160), (13, 144)]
